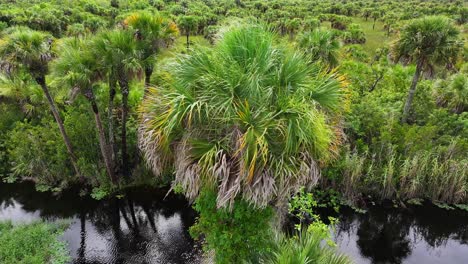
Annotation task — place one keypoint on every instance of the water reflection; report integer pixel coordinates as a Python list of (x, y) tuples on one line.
[(423, 234), (140, 228)]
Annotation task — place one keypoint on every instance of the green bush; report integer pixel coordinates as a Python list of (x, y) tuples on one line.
[(235, 236), (35, 243), (306, 247)]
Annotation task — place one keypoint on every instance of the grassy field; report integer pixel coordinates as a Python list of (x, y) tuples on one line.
[(375, 38), (180, 46)]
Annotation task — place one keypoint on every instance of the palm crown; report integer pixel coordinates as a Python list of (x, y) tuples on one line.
[(27, 48), (430, 40), (248, 114)]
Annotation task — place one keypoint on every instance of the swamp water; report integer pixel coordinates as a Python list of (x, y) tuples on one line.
[(147, 227)]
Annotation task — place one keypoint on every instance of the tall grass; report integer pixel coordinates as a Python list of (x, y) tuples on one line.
[(428, 174)]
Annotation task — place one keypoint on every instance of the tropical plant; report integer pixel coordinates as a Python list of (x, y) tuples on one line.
[(153, 33), (321, 45), (307, 247), (453, 93), (188, 24), (78, 67), (427, 41), (29, 50), (236, 235), (354, 35), (247, 114), (120, 57)]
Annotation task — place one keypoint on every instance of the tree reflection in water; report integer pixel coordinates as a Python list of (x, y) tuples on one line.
[(390, 235), (142, 227)]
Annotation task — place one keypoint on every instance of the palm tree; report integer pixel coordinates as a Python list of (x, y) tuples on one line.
[(29, 50), (78, 67), (293, 26), (153, 33), (20, 89), (187, 24), (119, 55), (427, 41), (375, 15), (247, 114), (321, 45)]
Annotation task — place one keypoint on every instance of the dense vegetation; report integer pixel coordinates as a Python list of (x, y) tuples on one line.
[(238, 105), (35, 243)]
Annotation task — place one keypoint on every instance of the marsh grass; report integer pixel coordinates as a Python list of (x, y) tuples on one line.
[(429, 174)]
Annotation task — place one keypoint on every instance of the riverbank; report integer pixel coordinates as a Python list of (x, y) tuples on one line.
[(153, 228), (33, 243)]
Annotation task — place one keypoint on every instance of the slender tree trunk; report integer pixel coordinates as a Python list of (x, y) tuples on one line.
[(373, 25), (188, 42), (102, 137), (148, 73), (125, 90), (411, 93), (110, 113), (41, 81)]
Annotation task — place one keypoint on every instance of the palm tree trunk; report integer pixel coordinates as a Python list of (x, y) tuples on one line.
[(41, 81), (112, 84), (148, 73), (411, 93), (102, 136), (125, 90)]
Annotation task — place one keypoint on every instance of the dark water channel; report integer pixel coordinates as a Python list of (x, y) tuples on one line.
[(143, 227)]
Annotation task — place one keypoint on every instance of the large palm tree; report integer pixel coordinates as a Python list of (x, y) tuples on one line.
[(154, 32), (247, 117), (427, 42), (119, 55), (79, 68), (30, 50), (321, 45)]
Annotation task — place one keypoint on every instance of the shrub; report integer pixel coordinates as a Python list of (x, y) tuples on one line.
[(36, 243), (235, 236)]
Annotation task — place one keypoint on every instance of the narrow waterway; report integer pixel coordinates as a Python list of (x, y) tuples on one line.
[(145, 227), (141, 227)]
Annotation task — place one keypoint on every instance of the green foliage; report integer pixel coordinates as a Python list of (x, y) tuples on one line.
[(354, 35), (35, 243), (247, 108), (321, 45), (236, 235), (306, 247), (304, 204), (37, 151), (432, 40)]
